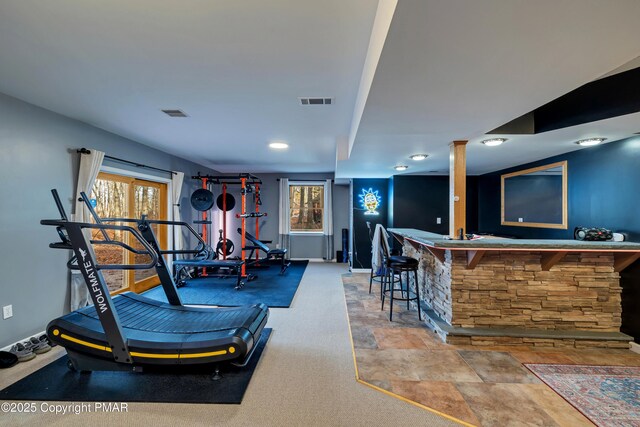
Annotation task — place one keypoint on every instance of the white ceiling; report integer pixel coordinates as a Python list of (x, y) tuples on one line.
[(634, 63), (236, 68), (457, 69), (447, 70), (519, 149)]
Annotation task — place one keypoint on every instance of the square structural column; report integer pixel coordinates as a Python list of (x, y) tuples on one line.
[(458, 188)]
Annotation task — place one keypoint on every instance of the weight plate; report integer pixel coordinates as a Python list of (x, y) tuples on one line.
[(230, 248), (202, 200), (231, 201)]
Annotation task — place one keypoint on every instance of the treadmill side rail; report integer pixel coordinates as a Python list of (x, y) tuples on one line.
[(99, 292), (166, 280)]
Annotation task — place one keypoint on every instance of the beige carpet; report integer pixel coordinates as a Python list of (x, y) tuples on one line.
[(306, 377)]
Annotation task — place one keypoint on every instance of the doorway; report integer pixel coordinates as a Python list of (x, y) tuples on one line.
[(121, 196)]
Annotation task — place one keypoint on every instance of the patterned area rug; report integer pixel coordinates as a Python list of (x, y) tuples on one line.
[(607, 395)]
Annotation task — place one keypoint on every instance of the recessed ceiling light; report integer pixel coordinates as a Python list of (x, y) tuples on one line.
[(418, 156), (278, 145), (494, 142), (590, 142), (401, 168)]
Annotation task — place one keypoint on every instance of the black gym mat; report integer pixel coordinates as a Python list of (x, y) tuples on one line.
[(270, 288), (55, 382)]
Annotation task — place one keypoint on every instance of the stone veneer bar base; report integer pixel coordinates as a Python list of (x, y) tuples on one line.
[(507, 299), (521, 337), (536, 342)]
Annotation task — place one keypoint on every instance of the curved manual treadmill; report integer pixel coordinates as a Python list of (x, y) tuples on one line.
[(132, 332)]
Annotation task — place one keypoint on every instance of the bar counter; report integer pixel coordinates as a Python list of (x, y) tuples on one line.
[(493, 291)]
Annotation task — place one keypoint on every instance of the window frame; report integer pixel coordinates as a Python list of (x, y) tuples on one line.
[(322, 184), (126, 175)]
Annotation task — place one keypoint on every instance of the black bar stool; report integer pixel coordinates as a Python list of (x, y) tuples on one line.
[(385, 270), (397, 265)]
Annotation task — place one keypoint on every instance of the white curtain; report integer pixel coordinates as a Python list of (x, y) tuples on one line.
[(176, 189), (284, 227), (88, 172), (89, 169), (328, 221)]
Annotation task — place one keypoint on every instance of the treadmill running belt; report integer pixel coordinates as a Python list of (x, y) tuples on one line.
[(149, 315), (161, 333)]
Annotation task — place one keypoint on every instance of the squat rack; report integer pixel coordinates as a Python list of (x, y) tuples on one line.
[(245, 180)]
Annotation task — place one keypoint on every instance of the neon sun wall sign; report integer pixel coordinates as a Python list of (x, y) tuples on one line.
[(370, 201)]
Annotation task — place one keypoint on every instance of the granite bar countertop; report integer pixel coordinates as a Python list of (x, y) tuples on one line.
[(439, 241)]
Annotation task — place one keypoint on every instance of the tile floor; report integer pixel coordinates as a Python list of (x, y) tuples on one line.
[(485, 386)]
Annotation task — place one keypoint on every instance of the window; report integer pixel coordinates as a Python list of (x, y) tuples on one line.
[(306, 208), (119, 196)]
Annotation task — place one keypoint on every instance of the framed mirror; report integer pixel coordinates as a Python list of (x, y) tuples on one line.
[(535, 197)]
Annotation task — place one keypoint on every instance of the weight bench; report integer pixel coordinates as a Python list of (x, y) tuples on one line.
[(277, 254), (181, 265)]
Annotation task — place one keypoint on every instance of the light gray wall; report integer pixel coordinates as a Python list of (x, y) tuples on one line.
[(38, 153), (341, 212), (301, 246)]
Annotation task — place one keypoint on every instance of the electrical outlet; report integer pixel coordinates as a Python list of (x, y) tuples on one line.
[(7, 311), (438, 220), (520, 219)]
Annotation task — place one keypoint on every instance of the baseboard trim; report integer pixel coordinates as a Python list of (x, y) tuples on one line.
[(7, 348), (361, 270)]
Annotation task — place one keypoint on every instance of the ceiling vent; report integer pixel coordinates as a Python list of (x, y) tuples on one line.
[(174, 113), (316, 101)]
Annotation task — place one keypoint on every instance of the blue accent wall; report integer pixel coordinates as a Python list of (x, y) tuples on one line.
[(409, 201), (361, 242), (390, 199), (418, 200), (603, 186)]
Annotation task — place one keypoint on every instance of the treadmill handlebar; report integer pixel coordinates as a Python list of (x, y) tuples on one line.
[(103, 227), (108, 241), (191, 230), (56, 198), (143, 221)]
